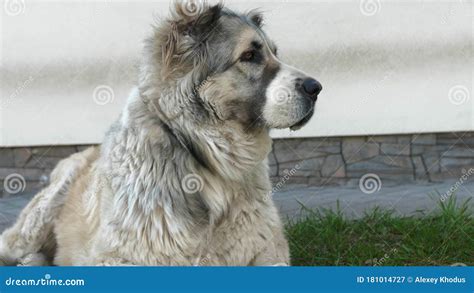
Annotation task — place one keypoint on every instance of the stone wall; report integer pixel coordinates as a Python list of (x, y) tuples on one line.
[(393, 158), (28, 168), (313, 161)]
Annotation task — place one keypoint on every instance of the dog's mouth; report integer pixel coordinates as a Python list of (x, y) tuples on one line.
[(303, 121)]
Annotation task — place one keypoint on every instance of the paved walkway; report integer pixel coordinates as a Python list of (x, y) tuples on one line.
[(405, 200)]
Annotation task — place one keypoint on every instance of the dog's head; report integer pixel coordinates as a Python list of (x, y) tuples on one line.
[(220, 66)]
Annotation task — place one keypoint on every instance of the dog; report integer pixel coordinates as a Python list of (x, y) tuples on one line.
[(181, 177)]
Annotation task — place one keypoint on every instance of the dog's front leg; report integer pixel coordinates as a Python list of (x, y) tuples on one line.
[(275, 253), (112, 262), (270, 257)]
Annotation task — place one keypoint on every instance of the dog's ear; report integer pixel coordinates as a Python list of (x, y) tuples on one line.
[(256, 17), (206, 21), (190, 20), (193, 17)]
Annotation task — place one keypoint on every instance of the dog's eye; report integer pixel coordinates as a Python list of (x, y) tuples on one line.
[(248, 56)]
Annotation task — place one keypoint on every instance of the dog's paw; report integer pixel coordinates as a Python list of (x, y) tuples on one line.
[(113, 262), (6, 253), (280, 264), (33, 259), (5, 261)]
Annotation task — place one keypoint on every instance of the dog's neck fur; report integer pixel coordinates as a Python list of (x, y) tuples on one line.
[(153, 148)]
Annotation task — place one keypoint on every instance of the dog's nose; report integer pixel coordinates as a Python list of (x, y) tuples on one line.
[(311, 87)]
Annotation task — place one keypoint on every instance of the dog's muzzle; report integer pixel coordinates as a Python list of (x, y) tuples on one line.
[(310, 88)]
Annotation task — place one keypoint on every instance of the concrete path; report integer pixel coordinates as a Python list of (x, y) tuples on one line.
[(405, 200)]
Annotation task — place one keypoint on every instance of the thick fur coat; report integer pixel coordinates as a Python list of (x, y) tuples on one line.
[(181, 178)]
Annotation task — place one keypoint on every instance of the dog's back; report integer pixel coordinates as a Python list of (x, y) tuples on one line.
[(31, 240)]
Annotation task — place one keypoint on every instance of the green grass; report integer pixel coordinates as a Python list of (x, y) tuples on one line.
[(326, 238)]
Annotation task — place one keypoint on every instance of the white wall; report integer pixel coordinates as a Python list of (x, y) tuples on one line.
[(386, 70)]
